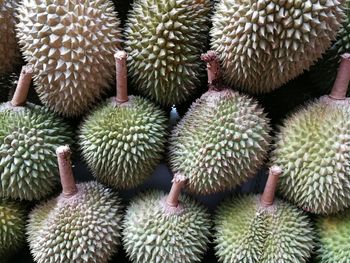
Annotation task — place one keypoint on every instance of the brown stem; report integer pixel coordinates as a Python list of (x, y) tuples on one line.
[(23, 85), (122, 77), (175, 191), (64, 164), (213, 67), (341, 83), (268, 196)]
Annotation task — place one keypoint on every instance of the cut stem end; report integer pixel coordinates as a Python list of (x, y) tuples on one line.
[(341, 83), (69, 187), (268, 196), (175, 191), (213, 67), (121, 77), (23, 85)]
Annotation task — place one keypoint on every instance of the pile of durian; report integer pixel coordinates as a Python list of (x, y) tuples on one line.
[(188, 131)]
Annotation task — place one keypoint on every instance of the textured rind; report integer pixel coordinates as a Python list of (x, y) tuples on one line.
[(164, 40), (152, 235), (220, 142), (29, 137), (12, 227), (263, 44), (334, 234), (312, 148), (71, 44), (247, 233), (122, 145), (9, 51), (84, 228)]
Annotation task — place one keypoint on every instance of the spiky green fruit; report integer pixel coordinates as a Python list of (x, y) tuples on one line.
[(164, 40), (151, 233), (71, 44), (81, 228), (29, 137), (312, 148), (122, 144), (263, 44), (247, 232), (12, 227), (220, 142)]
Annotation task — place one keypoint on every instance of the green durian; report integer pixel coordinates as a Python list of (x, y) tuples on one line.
[(263, 44), (164, 39), (158, 229), (221, 141), (80, 225), (71, 43), (123, 142), (259, 229)]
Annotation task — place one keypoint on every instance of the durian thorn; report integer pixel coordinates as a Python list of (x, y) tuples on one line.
[(268, 196), (121, 77), (69, 187), (341, 83), (23, 85), (175, 191), (213, 69)]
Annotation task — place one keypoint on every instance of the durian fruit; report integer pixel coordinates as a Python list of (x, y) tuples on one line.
[(313, 149), (123, 140), (259, 229), (9, 51), (263, 44), (12, 227), (164, 39), (29, 135), (71, 43), (159, 228), (81, 225), (223, 138)]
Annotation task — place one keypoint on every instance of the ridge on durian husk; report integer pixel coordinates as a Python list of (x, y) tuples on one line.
[(220, 142), (164, 40), (246, 232), (71, 44), (81, 228), (28, 139), (123, 144), (150, 234), (312, 149), (263, 44)]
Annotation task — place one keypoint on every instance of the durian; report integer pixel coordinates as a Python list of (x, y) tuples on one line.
[(263, 44), (29, 135), (81, 225), (259, 229), (164, 39), (71, 43), (313, 149), (222, 140), (159, 228), (124, 139)]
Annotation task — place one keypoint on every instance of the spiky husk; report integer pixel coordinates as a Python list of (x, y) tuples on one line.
[(151, 234), (164, 40), (312, 148), (71, 44), (29, 137), (81, 228), (246, 232), (263, 44), (122, 145), (220, 142)]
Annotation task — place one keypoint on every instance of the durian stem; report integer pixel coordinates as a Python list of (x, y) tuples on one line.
[(66, 173), (213, 67), (175, 191), (23, 85), (268, 196), (122, 77), (341, 83)]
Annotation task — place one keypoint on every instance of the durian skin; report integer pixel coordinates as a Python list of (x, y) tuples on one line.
[(29, 137), (247, 233), (150, 235), (83, 228), (263, 44), (122, 145), (164, 41), (72, 50), (312, 148), (220, 142)]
